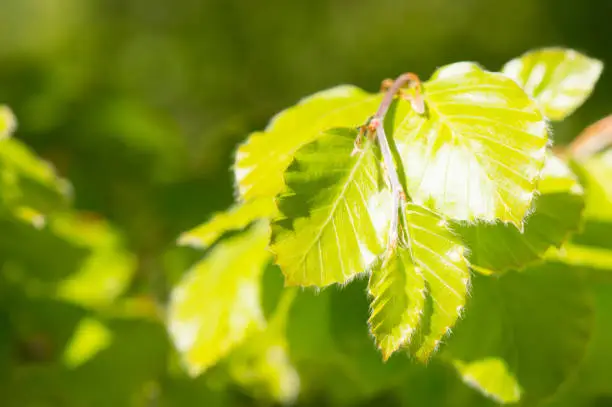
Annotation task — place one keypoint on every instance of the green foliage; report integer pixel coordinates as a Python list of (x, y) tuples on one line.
[(326, 232), (428, 262), (218, 302), (519, 311), (260, 162), (556, 213), (444, 255), (479, 151), (560, 80)]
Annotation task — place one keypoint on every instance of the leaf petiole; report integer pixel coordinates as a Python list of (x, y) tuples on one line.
[(375, 126)]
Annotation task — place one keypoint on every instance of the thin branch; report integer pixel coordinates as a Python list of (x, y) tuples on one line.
[(593, 139), (376, 125)]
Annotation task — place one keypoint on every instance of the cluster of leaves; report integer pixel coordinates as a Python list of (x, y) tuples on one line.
[(500, 241), (487, 240)]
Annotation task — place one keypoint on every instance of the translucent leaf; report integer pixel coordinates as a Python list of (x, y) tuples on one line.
[(217, 304), (430, 261), (560, 80), (397, 288), (8, 123), (260, 162), (325, 233), (479, 149), (530, 329), (557, 212), (236, 218)]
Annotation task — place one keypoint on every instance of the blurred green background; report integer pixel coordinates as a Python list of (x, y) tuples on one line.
[(140, 104)]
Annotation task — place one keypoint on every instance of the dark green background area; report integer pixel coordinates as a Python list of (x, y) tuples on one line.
[(140, 104)]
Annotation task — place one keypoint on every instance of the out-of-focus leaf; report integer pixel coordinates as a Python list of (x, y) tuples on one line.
[(560, 80), (478, 151), (90, 337), (47, 257), (362, 374), (492, 378), (130, 367), (261, 161), (8, 123), (217, 304), (530, 329), (326, 229), (429, 253), (596, 173), (30, 186), (262, 365), (580, 255), (557, 212), (106, 271), (236, 218)]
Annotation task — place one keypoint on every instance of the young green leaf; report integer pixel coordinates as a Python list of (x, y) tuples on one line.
[(429, 260), (479, 150), (497, 247), (260, 161), (236, 218), (326, 233), (397, 288), (560, 80), (530, 329), (217, 304)]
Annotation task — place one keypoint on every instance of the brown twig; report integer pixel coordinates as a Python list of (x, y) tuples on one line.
[(593, 139)]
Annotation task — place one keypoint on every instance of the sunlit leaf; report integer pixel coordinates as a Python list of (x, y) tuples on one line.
[(90, 337), (29, 185), (260, 162), (397, 288), (557, 212), (236, 218), (325, 233), (491, 377), (8, 123), (431, 262), (217, 304), (479, 149), (108, 267), (560, 80), (530, 329)]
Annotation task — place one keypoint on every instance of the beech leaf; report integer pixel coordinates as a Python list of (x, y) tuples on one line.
[(560, 80), (478, 151), (429, 261), (325, 232), (262, 159)]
